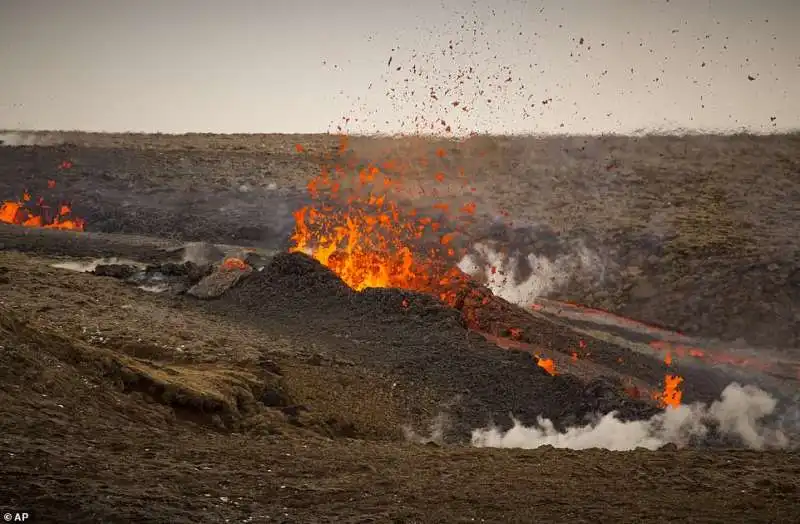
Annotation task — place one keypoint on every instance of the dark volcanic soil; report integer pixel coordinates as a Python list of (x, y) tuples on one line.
[(285, 400), (693, 233), (119, 405), (423, 343)]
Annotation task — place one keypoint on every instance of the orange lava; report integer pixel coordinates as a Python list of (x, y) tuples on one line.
[(671, 396), (357, 228), (233, 263), (367, 238), (547, 364), (25, 212), (715, 357)]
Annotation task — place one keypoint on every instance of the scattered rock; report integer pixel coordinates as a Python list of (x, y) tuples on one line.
[(218, 282), (170, 269), (197, 272), (187, 271), (121, 271), (274, 398), (255, 259)]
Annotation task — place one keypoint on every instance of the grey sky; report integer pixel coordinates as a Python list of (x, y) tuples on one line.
[(301, 66)]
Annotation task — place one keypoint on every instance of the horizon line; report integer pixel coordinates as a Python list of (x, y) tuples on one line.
[(439, 136)]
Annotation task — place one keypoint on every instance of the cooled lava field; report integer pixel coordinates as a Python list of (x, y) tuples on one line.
[(278, 328)]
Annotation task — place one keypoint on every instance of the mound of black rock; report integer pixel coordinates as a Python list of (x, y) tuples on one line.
[(424, 344), (170, 277)]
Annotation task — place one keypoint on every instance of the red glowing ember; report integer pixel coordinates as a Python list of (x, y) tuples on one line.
[(234, 264), (29, 213)]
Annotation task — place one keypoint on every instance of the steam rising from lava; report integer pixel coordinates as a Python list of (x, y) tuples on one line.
[(739, 414), (521, 278), (373, 225)]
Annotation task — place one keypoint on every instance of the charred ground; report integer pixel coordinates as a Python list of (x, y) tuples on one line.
[(286, 398), (421, 342), (695, 233), (120, 404)]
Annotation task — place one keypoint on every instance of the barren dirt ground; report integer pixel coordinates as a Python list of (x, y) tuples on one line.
[(120, 405)]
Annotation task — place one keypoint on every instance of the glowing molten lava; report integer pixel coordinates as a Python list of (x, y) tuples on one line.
[(234, 264), (368, 239), (547, 364), (671, 396), (25, 213), (358, 228), (360, 246)]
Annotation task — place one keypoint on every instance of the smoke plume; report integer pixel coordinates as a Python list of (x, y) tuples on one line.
[(520, 278), (17, 139), (435, 433), (738, 416)]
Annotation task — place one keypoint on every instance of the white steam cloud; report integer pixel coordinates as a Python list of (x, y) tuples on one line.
[(739, 414), (16, 139), (435, 434), (202, 253), (503, 274), (154, 288), (88, 267)]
